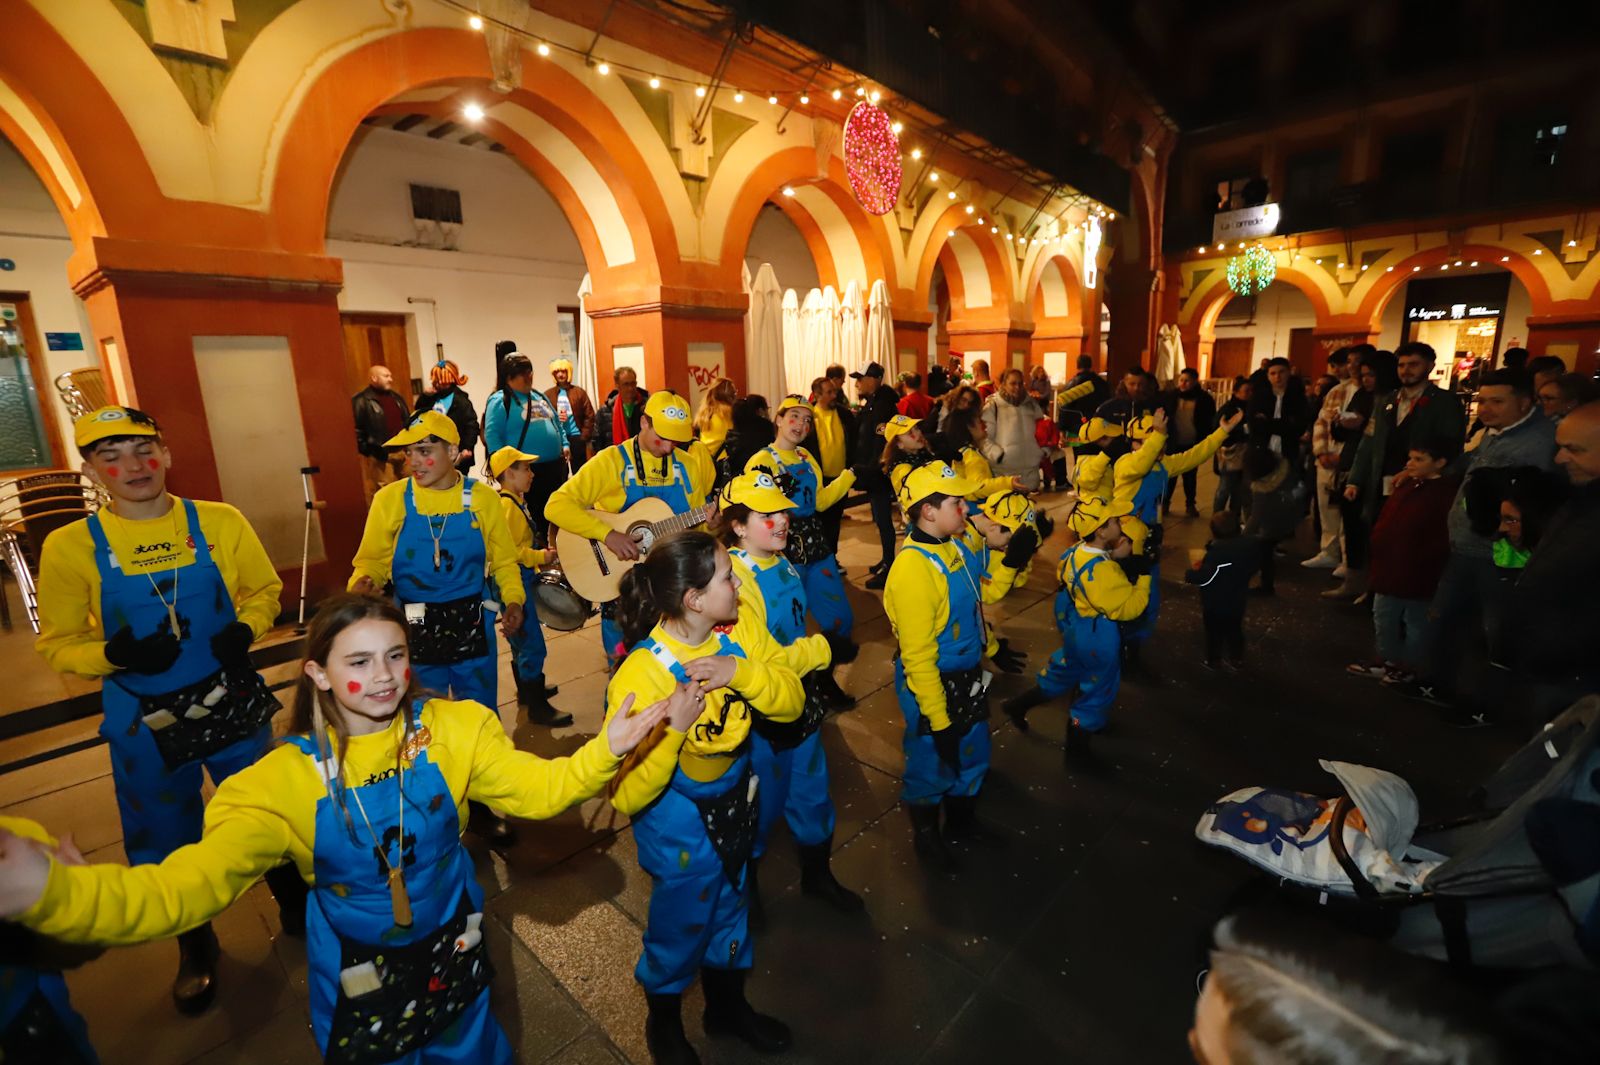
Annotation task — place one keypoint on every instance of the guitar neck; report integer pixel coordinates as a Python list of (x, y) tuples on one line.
[(680, 522)]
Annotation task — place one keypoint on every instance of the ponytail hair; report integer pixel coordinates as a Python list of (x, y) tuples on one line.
[(515, 364), (654, 589)]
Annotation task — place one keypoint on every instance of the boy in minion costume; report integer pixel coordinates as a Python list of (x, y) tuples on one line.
[(934, 601), (1094, 600), (1091, 474), (664, 461), (1004, 531), (513, 470), (161, 597), (800, 478)]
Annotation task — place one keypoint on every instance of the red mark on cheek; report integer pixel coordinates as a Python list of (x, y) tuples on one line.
[(408, 674), (112, 471), (430, 462), (354, 687), (155, 464), (769, 523)]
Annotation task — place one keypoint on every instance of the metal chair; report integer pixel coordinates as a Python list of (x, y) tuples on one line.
[(82, 390), (31, 508)]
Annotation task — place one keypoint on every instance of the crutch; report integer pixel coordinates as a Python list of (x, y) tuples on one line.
[(305, 546)]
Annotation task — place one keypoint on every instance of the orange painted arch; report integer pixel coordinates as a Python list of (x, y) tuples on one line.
[(1070, 281), (1377, 299), (1205, 315)]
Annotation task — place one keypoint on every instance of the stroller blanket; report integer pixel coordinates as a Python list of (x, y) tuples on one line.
[(1285, 833)]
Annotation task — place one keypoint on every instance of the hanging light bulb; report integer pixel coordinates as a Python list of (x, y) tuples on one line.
[(655, 83), (1389, 270), (970, 208), (1010, 236), (873, 96), (1202, 249), (1505, 258), (994, 229), (861, 90), (896, 127), (473, 112), (951, 194), (837, 94), (788, 190), (1572, 243), (738, 97), (772, 99), (933, 175), (476, 22), (700, 91), (951, 233), (916, 153), (1474, 262), (1319, 262), (604, 69), (543, 49), (1538, 251), (804, 99), (1416, 269)]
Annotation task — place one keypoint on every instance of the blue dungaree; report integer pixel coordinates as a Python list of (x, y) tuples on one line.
[(824, 588), (961, 646), (794, 782), (463, 561), (350, 918), (1147, 506), (161, 809), (527, 643), (676, 496), (698, 915), (37, 1022), (1090, 659)]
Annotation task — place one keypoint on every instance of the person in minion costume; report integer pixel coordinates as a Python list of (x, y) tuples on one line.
[(437, 535), (800, 477), (1106, 437), (692, 794), (513, 471), (1094, 601), (905, 448), (755, 516), (934, 600), (161, 598), (664, 461), (1004, 529)]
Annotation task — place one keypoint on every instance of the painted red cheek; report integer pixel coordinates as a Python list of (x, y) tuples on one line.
[(769, 523), (353, 687), (408, 674), (112, 471), (155, 464)]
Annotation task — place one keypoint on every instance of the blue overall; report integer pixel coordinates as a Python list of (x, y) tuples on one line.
[(961, 646), (676, 496), (463, 560), (351, 907), (794, 782), (63, 1037), (527, 643), (1089, 662), (824, 586), (1148, 503), (161, 809), (697, 916)]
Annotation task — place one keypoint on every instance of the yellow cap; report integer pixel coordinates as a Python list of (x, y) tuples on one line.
[(758, 491), (669, 416), (1009, 509), (1093, 512), (1099, 427), (501, 460), (1141, 427), (112, 421), (428, 423), (900, 423), (932, 477), (561, 364), (789, 403)]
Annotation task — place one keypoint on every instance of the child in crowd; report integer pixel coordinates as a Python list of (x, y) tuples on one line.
[(513, 471), (1223, 576), (1052, 460), (1531, 497), (1276, 502), (1409, 546)]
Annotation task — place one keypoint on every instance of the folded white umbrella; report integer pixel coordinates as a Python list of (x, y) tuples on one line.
[(794, 330), (878, 343), (765, 325)]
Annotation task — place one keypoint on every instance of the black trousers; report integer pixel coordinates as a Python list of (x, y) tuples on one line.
[(1269, 563), (1224, 634), (1357, 534), (1189, 479), (882, 501), (547, 477), (831, 520)]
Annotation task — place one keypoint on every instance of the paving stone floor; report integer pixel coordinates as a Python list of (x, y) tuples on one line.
[(1079, 942)]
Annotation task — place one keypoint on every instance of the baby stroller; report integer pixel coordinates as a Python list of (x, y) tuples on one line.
[(1497, 889)]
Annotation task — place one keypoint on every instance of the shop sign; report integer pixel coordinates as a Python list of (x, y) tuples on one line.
[(1455, 310), (1247, 223), (64, 341)]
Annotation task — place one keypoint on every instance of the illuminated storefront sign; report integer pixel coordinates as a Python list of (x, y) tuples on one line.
[(1247, 223)]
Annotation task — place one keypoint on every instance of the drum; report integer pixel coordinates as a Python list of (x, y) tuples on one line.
[(558, 606)]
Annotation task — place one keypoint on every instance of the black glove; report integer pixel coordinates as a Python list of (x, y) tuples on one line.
[(1135, 566), (948, 746), (1006, 659), (1045, 523), (231, 646), (1024, 542), (154, 653)]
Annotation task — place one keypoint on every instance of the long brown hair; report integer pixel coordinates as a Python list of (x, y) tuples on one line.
[(719, 400), (654, 589)]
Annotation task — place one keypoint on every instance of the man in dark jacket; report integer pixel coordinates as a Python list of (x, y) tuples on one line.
[(380, 414), (1279, 414), (1420, 410), (1223, 575), (1556, 601), (1191, 415), (631, 398), (877, 407)]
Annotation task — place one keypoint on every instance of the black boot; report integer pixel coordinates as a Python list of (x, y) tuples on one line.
[(835, 697), (663, 1032), (930, 845), (491, 826), (844, 649), (961, 824), (290, 891), (817, 879), (531, 694), (550, 689), (196, 982), (752, 896), (1017, 706), (728, 1013), (1077, 751)]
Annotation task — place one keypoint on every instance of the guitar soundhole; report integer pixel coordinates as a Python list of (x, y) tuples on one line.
[(644, 536)]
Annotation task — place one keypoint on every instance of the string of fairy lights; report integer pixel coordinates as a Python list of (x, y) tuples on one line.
[(878, 149)]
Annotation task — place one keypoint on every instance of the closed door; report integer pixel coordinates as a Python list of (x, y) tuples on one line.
[(28, 439), (1304, 357), (1230, 356), (377, 340)]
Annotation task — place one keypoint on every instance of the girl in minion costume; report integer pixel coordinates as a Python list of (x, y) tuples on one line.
[(513, 471), (692, 793), (755, 517), (800, 477), (368, 797), (1094, 601), (934, 600), (436, 535)]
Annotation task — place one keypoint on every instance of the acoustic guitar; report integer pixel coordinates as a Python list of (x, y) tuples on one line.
[(590, 567)]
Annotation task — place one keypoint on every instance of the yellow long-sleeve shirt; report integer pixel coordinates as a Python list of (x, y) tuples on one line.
[(598, 486), (827, 494), (831, 447), (268, 811), (375, 557), (974, 467), (1105, 589), (917, 599), (71, 636), (803, 655), (528, 557), (706, 751), (1130, 471)]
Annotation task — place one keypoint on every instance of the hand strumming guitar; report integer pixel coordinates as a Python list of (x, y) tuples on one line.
[(622, 545)]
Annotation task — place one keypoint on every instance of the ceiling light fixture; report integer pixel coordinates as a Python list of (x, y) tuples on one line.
[(837, 94), (738, 97), (604, 69), (543, 49), (788, 190), (476, 22), (916, 153), (655, 83), (933, 175), (473, 112), (897, 127), (700, 90), (772, 99)]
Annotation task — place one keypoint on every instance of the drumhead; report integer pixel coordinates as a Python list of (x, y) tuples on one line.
[(558, 606)]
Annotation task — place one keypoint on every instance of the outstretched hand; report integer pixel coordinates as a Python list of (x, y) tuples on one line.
[(1231, 422), (24, 870), (627, 730), (1159, 419)]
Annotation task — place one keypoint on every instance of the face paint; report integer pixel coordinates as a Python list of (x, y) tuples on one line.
[(408, 674), (769, 523), (155, 464), (354, 687), (112, 471), (430, 462)]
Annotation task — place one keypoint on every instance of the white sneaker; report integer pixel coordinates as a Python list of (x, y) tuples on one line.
[(1340, 572), (1320, 562)]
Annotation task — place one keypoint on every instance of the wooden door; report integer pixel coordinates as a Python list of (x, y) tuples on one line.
[(377, 340), (1305, 356), (1231, 356)]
